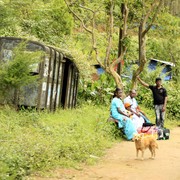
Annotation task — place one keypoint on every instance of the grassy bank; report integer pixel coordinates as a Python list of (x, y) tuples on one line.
[(32, 141)]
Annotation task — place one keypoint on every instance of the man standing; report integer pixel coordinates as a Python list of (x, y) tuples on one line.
[(160, 100)]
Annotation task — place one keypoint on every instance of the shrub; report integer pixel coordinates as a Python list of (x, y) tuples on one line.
[(15, 72), (173, 104), (97, 92)]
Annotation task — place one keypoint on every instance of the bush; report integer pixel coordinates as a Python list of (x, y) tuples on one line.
[(97, 92), (173, 104)]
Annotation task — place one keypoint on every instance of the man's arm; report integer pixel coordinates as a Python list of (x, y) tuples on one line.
[(142, 82)]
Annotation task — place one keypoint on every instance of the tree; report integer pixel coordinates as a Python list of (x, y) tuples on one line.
[(137, 14), (147, 19), (90, 26), (50, 22)]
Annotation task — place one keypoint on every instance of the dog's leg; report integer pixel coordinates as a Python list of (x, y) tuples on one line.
[(142, 158), (154, 150), (137, 152), (152, 153)]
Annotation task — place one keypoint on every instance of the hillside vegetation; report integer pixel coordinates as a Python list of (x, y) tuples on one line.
[(38, 141), (32, 141)]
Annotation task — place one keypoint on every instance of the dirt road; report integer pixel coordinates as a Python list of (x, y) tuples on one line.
[(119, 163)]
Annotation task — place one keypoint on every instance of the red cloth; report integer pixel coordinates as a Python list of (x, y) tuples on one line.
[(147, 130)]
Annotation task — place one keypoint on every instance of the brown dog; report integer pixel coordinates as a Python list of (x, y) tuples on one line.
[(143, 141)]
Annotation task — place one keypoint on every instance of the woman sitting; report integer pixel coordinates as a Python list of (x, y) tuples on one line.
[(119, 113)]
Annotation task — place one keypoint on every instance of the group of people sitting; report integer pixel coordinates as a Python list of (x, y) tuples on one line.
[(127, 113)]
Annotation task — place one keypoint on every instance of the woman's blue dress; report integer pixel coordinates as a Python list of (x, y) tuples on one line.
[(123, 121)]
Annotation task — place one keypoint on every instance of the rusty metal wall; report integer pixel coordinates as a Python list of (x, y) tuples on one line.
[(59, 76)]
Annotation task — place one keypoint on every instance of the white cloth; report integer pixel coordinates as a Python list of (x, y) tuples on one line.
[(132, 102), (137, 121)]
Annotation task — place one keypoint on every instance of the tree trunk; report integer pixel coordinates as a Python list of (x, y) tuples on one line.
[(143, 30), (120, 45), (116, 76), (142, 55)]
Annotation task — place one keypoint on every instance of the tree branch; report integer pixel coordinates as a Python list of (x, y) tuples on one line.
[(106, 64), (82, 22), (150, 11), (125, 18), (123, 48), (88, 30), (83, 7), (154, 16), (111, 19), (124, 32)]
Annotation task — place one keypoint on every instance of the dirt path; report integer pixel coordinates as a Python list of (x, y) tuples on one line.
[(119, 163)]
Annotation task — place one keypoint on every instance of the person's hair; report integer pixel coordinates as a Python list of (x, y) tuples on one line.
[(116, 90), (132, 91), (158, 79)]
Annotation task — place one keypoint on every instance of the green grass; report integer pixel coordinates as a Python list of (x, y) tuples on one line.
[(39, 141), (32, 141)]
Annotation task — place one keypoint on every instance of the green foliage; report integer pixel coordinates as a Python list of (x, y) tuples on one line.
[(166, 49), (53, 15), (32, 141), (15, 72), (132, 51), (168, 25), (4, 15), (173, 104), (99, 91), (8, 24), (48, 21)]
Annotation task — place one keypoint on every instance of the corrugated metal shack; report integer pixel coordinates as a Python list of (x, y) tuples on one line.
[(58, 73)]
